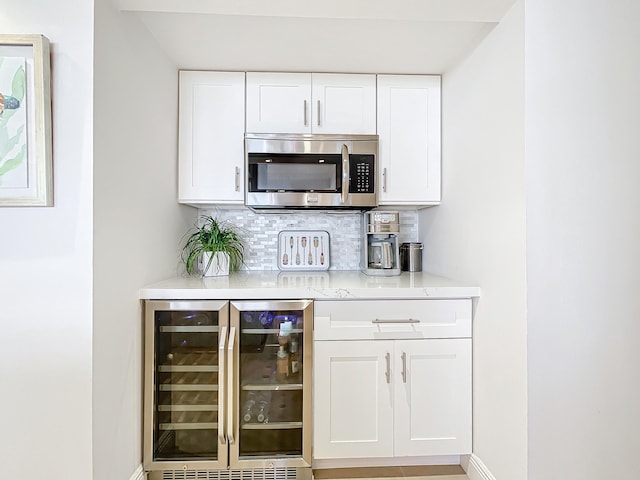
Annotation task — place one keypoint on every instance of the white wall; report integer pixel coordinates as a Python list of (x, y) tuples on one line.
[(45, 269), (583, 237), (138, 224), (478, 233)]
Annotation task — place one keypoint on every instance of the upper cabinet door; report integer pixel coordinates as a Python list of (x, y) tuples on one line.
[(278, 102), (343, 103), (311, 103), (211, 137), (409, 130)]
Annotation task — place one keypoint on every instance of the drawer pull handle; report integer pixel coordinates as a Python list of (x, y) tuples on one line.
[(400, 320), (388, 372)]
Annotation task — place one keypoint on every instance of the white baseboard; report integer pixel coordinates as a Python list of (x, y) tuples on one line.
[(138, 474), (385, 462), (476, 470)]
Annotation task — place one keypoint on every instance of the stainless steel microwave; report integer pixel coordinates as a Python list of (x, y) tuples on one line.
[(311, 171)]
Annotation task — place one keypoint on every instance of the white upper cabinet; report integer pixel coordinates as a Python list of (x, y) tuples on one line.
[(311, 103), (409, 130), (211, 137), (343, 103), (404, 110), (278, 102)]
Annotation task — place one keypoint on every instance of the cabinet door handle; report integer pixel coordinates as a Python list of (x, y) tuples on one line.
[(395, 320), (237, 179), (221, 385), (404, 367), (305, 113), (318, 112), (388, 372), (384, 180), (232, 386)]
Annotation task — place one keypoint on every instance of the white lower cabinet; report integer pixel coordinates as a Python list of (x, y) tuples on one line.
[(390, 397), (353, 403), (432, 397)]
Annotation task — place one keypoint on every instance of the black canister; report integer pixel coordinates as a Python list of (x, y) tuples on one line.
[(411, 257)]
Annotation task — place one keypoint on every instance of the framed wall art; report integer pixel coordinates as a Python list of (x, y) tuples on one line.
[(25, 121)]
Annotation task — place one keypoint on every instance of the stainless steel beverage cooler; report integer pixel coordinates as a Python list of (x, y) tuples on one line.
[(227, 390)]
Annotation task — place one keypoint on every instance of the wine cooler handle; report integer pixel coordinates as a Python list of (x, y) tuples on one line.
[(221, 385), (388, 372), (404, 367), (231, 386)]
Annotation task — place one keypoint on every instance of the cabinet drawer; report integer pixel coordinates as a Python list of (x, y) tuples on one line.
[(391, 319)]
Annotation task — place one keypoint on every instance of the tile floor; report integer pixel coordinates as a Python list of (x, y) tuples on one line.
[(436, 472)]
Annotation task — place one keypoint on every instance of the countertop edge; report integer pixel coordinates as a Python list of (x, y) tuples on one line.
[(313, 294), (346, 285)]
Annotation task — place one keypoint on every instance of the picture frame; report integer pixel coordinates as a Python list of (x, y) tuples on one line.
[(25, 121)]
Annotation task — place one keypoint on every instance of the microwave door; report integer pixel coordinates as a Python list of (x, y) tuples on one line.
[(294, 179)]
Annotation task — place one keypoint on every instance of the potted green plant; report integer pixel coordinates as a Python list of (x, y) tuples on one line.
[(213, 247)]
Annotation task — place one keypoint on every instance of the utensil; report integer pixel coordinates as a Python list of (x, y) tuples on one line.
[(297, 251), (285, 257), (315, 244), (291, 244), (304, 248), (321, 251), (309, 257)]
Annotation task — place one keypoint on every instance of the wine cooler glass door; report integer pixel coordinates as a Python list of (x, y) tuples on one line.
[(186, 384), (271, 384)]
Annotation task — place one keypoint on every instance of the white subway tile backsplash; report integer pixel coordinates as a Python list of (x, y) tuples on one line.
[(260, 233)]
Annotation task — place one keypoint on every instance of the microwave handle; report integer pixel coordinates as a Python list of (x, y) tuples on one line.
[(345, 173)]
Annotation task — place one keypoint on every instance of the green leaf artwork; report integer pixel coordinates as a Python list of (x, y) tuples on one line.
[(13, 139), (13, 162)]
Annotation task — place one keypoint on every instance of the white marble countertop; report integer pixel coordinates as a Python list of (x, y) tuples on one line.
[(330, 285)]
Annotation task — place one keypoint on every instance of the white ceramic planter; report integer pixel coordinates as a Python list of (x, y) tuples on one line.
[(219, 266)]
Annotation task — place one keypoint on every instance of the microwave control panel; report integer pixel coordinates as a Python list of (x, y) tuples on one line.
[(362, 170)]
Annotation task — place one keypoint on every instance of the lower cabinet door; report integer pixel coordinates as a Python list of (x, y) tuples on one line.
[(432, 397), (353, 404)]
